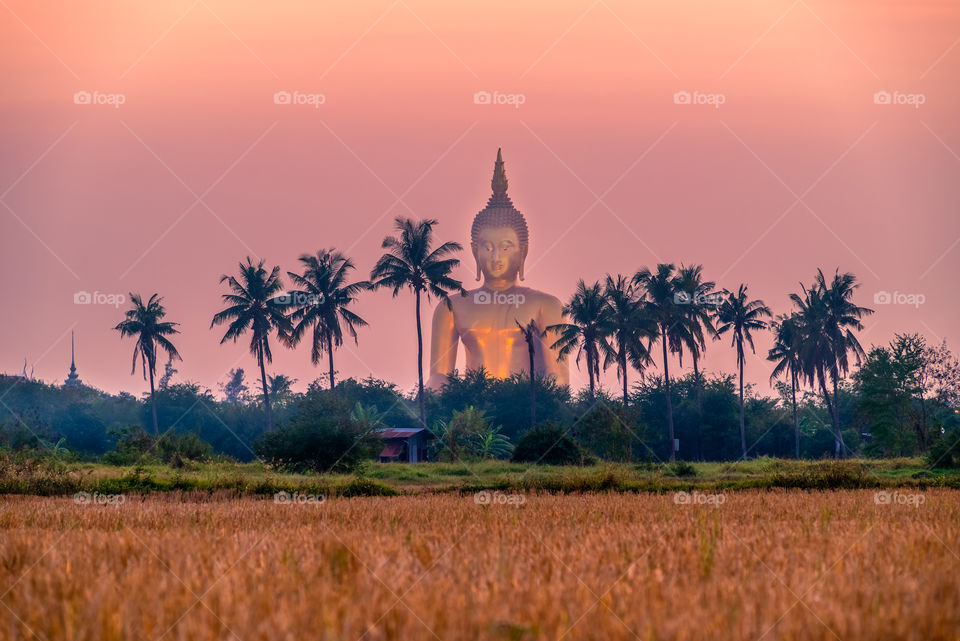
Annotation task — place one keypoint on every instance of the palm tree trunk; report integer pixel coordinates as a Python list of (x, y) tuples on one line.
[(666, 382), (836, 416), (153, 403), (266, 393), (743, 430), (826, 398), (330, 357), (590, 360), (923, 422), (420, 401), (796, 423), (533, 386), (696, 384), (623, 369)]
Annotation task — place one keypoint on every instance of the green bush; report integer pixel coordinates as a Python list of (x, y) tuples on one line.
[(176, 448), (318, 444), (945, 451), (549, 444), (135, 446), (605, 432), (680, 468), (366, 487)]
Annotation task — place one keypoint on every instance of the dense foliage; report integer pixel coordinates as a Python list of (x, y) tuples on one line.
[(902, 401)]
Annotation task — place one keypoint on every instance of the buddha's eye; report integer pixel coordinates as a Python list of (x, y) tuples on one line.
[(488, 247)]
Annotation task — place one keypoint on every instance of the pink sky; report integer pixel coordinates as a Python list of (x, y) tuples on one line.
[(611, 173)]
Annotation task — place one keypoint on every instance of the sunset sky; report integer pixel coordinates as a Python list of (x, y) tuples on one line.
[(803, 165)]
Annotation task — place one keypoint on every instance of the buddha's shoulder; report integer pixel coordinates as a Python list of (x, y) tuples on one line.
[(540, 298)]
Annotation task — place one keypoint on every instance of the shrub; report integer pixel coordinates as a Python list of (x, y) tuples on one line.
[(318, 444), (680, 468), (549, 445), (605, 432), (133, 446), (175, 448), (457, 437), (136, 446), (366, 487), (945, 451)]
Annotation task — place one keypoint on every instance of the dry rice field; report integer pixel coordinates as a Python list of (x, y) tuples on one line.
[(750, 566)]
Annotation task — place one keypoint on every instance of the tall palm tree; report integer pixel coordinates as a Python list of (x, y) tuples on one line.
[(830, 318), (665, 304), (632, 330), (586, 329), (255, 302), (702, 304), (531, 334), (786, 354), (816, 352), (145, 321), (739, 315), (321, 301), (411, 263)]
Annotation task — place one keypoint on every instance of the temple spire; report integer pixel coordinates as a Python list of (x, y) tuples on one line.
[(72, 379)]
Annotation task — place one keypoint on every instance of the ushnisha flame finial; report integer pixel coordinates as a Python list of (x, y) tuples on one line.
[(499, 182)]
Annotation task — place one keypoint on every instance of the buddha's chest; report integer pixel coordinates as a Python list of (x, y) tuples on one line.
[(492, 323)]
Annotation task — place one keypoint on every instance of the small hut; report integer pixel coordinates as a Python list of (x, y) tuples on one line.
[(407, 445)]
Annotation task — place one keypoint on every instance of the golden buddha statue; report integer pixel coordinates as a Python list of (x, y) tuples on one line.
[(488, 319)]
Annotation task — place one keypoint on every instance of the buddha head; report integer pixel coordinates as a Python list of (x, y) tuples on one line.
[(499, 237)]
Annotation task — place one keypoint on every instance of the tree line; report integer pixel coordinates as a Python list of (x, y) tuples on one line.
[(621, 322)]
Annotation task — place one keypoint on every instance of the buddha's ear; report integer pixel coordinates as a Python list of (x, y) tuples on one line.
[(473, 248), (523, 257)]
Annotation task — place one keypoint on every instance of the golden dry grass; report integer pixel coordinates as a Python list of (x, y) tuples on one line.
[(763, 565)]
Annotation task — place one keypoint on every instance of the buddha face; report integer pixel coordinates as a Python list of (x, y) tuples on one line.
[(499, 253)]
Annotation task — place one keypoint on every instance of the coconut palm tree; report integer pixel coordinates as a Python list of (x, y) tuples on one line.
[(786, 354), (411, 263), (815, 348), (255, 302), (145, 321), (665, 303), (531, 334), (739, 315), (633, 330), (321, 302), (702, 304), (829, 319), (587, 328)]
